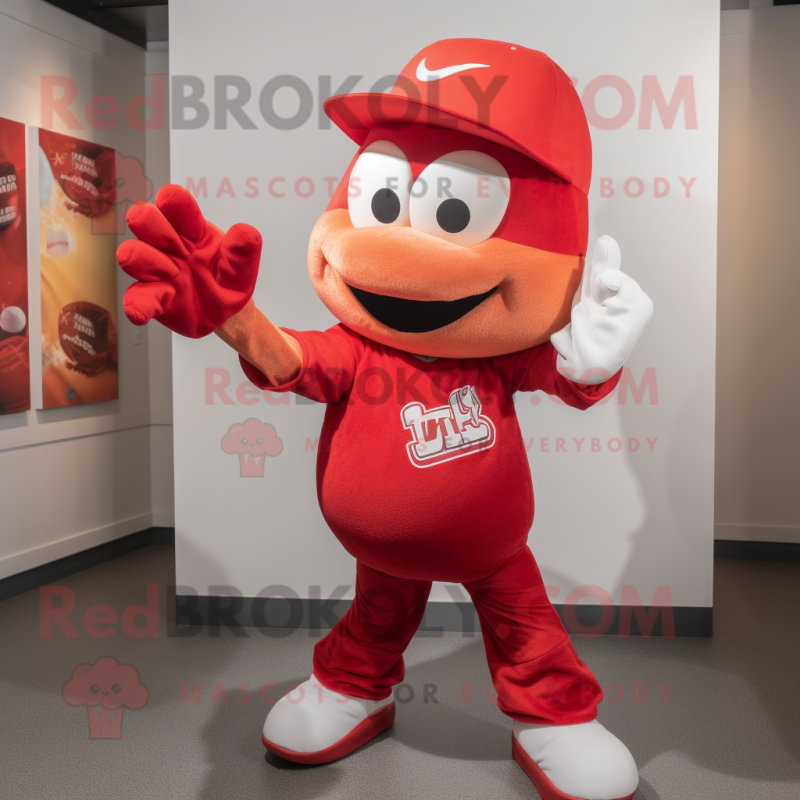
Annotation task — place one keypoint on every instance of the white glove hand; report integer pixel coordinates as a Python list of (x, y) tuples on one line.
[(606, 321)]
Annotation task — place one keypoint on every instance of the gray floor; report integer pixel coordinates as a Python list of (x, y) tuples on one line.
[(730, 728)]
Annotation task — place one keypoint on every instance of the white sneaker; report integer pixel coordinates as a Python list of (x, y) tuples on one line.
[(569, 762), (314, 725)]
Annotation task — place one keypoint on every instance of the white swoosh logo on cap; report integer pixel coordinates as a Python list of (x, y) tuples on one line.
[(425, 74)]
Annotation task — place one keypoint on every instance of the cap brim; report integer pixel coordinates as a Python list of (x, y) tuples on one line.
[(356, 114)]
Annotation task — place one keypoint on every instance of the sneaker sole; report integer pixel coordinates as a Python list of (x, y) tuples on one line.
[(543, 784), (374, 724)]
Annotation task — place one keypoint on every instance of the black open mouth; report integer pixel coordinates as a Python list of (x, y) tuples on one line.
[(417, 316)]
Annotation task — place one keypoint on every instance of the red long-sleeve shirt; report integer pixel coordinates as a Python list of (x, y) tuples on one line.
[(421, 468)]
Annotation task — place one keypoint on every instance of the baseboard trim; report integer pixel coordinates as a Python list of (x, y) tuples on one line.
[(282, 615), (279, 616), (769, 534), (49, 552), (757, 551), (77, 562), (163, 519)]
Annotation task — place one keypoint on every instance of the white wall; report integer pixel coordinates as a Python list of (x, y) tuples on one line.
[(73, 478), (608, 519), (124, 449), (758, 380)]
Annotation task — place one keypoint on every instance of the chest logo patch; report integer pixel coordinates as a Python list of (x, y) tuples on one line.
[(447, 432)]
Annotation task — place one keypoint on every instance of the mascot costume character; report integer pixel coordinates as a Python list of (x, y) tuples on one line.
[(452, 252)]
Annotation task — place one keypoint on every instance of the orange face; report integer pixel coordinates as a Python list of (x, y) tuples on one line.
[(443, 244)]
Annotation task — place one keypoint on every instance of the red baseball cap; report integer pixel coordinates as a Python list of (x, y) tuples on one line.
[(506, 93)]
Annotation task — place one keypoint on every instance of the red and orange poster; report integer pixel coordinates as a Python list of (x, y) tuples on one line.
[(15, 391), (78, 271)]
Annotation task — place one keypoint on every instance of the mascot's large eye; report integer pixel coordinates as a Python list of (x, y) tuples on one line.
[(379, 184), (460, 197)]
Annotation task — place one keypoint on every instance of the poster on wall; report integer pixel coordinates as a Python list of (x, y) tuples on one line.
[(15, 392), (78, 271)]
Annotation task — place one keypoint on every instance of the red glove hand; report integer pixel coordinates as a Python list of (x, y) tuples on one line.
[(190, 276)]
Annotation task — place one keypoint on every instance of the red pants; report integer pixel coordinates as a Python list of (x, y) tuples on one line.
[(536, 672)]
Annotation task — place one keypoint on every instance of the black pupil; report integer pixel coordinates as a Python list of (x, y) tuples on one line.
[(385, 206), (453, 215), (94, 688)]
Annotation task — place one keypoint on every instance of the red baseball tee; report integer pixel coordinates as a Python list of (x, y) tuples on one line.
[(421, 469)]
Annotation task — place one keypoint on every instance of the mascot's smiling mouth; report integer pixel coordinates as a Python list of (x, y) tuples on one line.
[(417, 316)]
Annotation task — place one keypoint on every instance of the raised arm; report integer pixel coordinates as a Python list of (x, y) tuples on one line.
[(264, 345), (606, 322), (195, 280)]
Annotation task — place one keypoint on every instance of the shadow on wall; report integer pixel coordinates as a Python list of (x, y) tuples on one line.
[(670, 498), (670, 494)]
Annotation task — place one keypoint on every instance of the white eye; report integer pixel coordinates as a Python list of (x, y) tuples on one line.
[(460, 197), (378, 189)]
